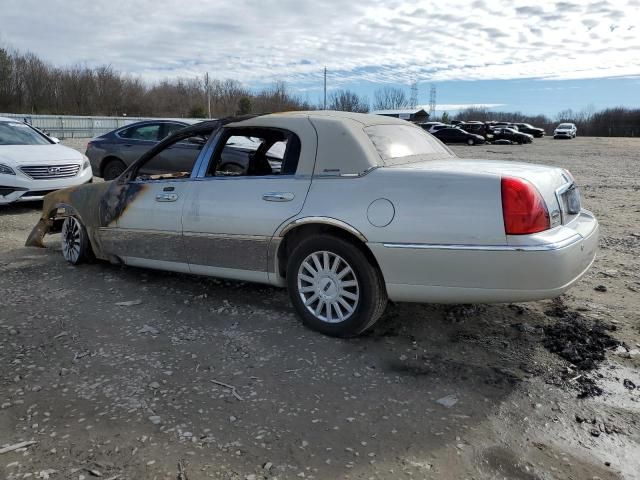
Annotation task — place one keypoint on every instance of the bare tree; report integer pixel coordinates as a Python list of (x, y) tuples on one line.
[(390, 98), (348, 101)]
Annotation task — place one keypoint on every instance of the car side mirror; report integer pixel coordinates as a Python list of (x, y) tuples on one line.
[(55, 139), (197, 140)]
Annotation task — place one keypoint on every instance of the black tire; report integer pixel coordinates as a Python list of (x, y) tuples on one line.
[(370, 288), (76, 247), (471, 141), (113, 169)]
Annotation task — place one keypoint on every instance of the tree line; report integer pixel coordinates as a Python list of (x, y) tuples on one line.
[(30, 85)]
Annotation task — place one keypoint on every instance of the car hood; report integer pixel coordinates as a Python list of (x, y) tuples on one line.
[(13, 155)]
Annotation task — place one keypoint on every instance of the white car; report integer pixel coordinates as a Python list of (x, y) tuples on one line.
[(565, 130), (352, 210), (33, 164)]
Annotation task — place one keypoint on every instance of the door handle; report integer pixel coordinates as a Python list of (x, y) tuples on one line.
[(278, 196), (166, 197)]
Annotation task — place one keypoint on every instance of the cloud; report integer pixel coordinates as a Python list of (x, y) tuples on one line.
[(379, 41)]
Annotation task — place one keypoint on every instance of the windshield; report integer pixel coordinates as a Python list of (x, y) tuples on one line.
[(397, 144), (565, 125), (15, 133)]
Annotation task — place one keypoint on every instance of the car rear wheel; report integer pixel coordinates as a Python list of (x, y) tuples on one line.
[(113, 169), (334, 287), (76, 247)]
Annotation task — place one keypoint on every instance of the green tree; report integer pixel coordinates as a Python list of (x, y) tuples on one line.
[(197, 112), (244, 105)]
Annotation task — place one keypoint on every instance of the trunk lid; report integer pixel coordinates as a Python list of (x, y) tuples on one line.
[(555, 184)]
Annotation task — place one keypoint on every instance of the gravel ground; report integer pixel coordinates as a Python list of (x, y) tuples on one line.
[(196, 378)]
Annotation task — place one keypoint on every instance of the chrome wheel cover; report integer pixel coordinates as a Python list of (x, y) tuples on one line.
[(328, 287), (71, 232)]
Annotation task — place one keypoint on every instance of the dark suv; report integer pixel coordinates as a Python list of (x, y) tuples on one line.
[(530, 129), (511, 135), (457, 135)]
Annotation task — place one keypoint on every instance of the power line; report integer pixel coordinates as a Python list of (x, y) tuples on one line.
[(432, 100), (414, 94)]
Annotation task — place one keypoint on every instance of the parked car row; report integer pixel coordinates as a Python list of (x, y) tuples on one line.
[(476, 132)]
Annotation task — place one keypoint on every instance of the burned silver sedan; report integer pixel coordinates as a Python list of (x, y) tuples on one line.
[(345, 210)]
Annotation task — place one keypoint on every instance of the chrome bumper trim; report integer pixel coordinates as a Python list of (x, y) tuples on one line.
[(490, 248)]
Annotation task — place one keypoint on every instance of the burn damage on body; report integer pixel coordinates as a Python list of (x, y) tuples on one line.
[(97, 205)]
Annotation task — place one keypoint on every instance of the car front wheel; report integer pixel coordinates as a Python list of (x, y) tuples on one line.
[(76, 247), (470, 141), (334, 287)]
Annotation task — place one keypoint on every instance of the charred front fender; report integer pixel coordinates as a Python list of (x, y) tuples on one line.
[(95, 204)]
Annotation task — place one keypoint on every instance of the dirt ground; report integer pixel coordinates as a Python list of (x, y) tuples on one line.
[(137, 390)]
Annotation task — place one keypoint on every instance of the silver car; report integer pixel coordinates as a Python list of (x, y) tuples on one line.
[(345, 210)]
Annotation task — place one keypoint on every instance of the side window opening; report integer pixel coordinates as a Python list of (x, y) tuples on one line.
[(175, 161), (255, 152)]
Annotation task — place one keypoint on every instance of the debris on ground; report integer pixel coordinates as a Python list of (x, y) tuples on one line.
[(458, 313), (129, 303), (579, 342), (448, 401), (587, 387), (629, 384), (600, 288), (16, 446)]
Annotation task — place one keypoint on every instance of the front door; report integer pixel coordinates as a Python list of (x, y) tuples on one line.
[(232, 212), (149, 230), (144, 224)]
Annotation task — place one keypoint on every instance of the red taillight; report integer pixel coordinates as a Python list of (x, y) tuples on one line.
[(89, 145), (523, 208)]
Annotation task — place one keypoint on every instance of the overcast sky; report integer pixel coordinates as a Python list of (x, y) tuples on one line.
[(362, 43)]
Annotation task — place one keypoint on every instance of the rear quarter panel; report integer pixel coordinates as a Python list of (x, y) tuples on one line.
[(430, 206)]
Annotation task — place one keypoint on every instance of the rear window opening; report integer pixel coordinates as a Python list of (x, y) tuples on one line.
[(398, 144)]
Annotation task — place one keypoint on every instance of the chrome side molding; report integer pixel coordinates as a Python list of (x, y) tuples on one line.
[(489, 248)]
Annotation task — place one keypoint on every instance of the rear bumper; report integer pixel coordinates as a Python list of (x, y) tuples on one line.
[(17, 188), (526, 268)]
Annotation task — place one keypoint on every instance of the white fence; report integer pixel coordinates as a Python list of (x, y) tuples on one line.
[(70, 126)]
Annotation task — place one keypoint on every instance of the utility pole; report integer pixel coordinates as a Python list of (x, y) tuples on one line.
[(432, 100), (206, 86), (325, 88)]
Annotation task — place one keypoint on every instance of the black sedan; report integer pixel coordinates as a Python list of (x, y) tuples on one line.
[(511, 135), (457, 135), (110, 154), (530, 129)]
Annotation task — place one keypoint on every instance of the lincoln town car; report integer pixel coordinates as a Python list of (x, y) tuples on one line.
[(345, 210)]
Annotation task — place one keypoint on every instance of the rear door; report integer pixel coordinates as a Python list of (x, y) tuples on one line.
[(232, 214)]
